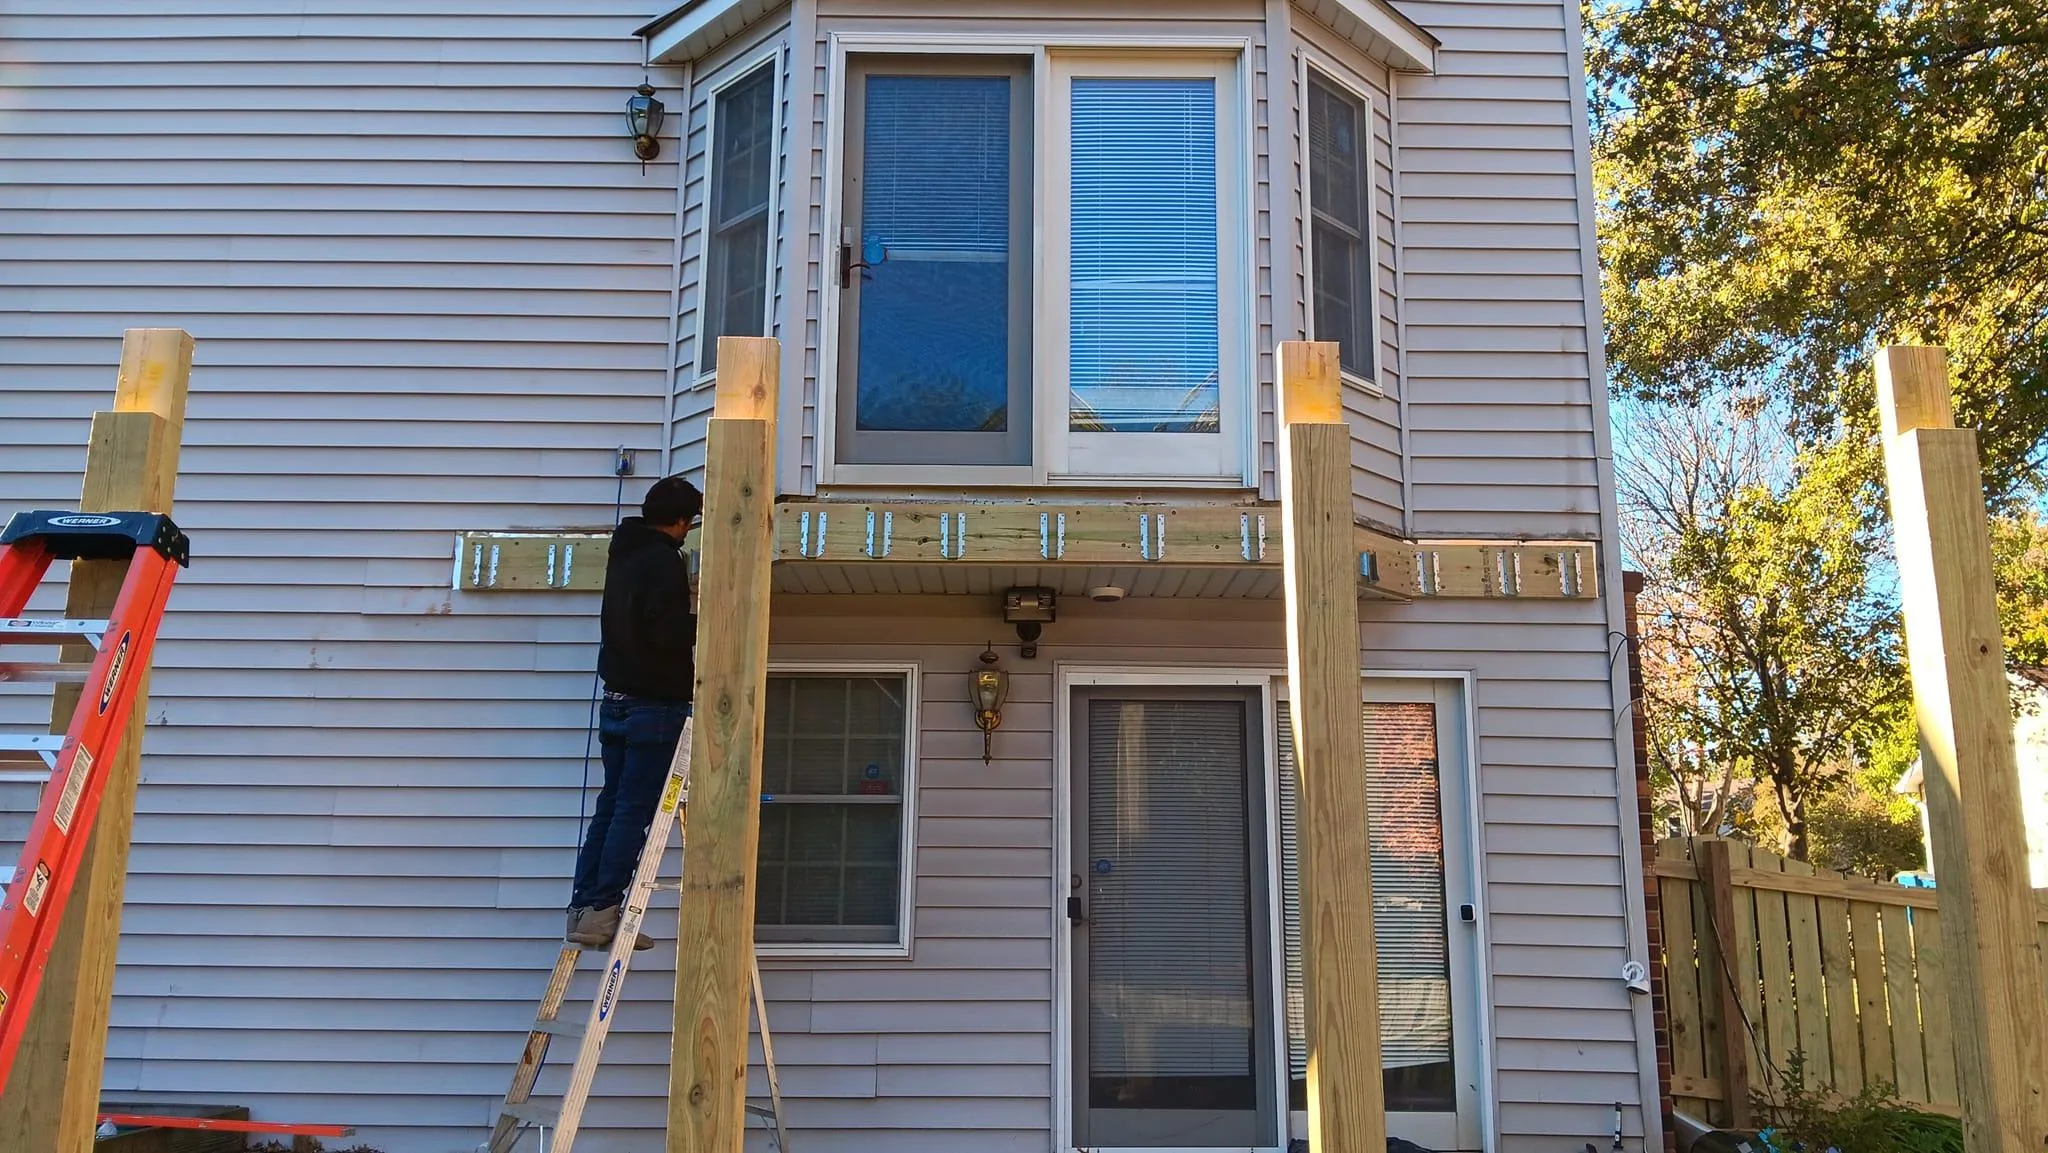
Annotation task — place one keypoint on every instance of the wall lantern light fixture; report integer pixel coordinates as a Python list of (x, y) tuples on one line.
[(643, 120), (987, 688)]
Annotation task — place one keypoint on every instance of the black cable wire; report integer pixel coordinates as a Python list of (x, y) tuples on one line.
[(590, 724)]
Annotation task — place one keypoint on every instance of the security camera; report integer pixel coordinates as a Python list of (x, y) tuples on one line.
[(1107, 594), (1636, 977)]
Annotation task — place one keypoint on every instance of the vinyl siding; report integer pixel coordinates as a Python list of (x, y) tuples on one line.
[(431, 290), (1375, 412), (727, 63), (1501, 401)]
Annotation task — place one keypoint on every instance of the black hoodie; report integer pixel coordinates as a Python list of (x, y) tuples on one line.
[(649, 631)]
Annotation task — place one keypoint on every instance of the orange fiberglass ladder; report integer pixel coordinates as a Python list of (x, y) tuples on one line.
[(39, 886)]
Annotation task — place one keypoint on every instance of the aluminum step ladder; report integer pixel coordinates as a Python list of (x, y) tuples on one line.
[(519, 1112), (39, 885)]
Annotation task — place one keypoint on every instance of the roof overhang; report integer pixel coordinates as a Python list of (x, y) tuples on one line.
[(1380, 30), (695, 27)]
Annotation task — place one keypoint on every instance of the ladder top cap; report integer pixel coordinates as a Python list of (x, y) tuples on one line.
[(99, 535)]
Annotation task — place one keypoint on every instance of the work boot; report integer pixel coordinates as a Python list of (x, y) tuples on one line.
[(575, 917), (596, 928)]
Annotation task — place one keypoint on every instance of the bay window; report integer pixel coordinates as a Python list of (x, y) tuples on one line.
[(1041, 269)]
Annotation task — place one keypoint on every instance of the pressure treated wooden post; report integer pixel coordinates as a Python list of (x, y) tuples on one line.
[(1973, 790), (1346, 1096), (131, 464), (707, 1093)]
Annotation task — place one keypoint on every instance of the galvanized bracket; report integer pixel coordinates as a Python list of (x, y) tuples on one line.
[(952, 535), (1152, 536), (1429, 576), (1253, 550), (888, 530), (810, 540), (1052, 535)]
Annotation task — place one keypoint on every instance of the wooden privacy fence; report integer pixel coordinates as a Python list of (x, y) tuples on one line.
[(1766, 957)]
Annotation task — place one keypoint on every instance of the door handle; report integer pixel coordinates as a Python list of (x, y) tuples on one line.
[(847, 264), (1075, 912)]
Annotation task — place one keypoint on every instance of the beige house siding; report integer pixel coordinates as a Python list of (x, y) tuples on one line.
[(434, 291), (431, 290), (1502, 401)]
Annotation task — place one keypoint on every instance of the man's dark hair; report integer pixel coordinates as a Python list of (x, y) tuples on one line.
[(671, 500)]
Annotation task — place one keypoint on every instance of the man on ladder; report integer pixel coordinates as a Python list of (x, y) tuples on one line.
[(647, 641), (646, 659)]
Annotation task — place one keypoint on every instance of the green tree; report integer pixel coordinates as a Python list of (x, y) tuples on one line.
[(2019, 554), (1776, 654), (1784, 184)]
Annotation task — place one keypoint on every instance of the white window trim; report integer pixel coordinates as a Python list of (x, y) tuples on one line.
[(841, 44), (732, 73), (906, 906), (1335, 79)]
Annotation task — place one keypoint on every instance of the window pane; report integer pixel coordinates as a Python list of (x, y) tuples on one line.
[(1143, 341), (1410, 922), (830, 869), (1340, 203), (934, 328), (736, 263)]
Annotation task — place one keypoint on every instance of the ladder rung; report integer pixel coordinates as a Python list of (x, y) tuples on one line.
[(52, 630), (559, 1028), (44, 672), (531, 1112), (38, 750)]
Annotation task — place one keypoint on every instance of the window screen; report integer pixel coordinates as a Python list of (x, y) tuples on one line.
[(1340, 207), (1143, 344), (742, 157), (1409, 915), (832, 778)]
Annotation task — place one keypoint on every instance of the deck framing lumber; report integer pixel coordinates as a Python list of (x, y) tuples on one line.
[(715, 940), (1346, 1096), (131, 464), (1991, 956)]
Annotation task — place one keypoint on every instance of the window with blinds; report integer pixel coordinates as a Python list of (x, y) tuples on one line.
[(1340, 212), (833, 776), (742, 185), (1143, 343), (1410, 922), (1123, 183), (1169, 972)]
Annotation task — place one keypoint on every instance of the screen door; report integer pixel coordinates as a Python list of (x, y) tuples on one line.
[(1173, 1014)]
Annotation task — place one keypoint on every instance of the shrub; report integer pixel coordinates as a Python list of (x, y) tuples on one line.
[(1815, 1119)]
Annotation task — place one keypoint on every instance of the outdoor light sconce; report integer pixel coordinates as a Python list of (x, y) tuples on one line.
[(643, 120), (987, 688), (1030, 609)]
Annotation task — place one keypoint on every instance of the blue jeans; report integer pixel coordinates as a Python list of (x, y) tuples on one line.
[(639, 738)]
